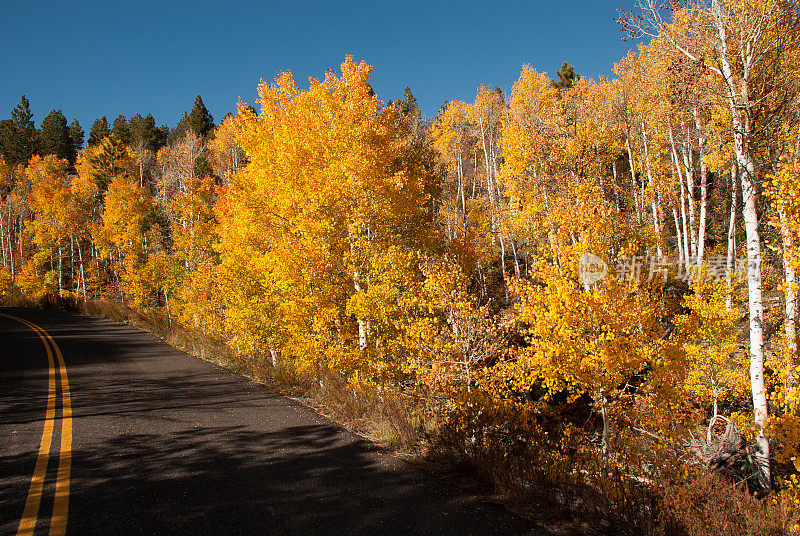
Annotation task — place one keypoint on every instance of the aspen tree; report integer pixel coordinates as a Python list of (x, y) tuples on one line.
[(746, 45), (330, 186)]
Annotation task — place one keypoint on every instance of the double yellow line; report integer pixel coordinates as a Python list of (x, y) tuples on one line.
[(30, 514)]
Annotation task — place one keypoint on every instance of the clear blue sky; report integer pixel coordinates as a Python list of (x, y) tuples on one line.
[(115, 57)]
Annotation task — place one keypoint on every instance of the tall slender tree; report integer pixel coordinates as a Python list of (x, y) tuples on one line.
[(748, 47), (99, 131), (122, 130), (200, 119), (19, 138), (76, 136), (55, 136)]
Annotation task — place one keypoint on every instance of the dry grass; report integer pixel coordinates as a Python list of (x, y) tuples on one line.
[(707, 504)]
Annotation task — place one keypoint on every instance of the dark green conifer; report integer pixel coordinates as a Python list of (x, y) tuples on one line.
[(19, 138), (566, 77), (76, 137), (99, 131), (121, 130), (200, 119), (55, 136)]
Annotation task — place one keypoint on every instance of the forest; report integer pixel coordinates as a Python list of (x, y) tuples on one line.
[(586, 286)]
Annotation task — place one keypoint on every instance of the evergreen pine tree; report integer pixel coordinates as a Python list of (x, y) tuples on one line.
[(408, 104), (121, 129), (200, 120), (8, 141), (409, 111), (108, 162), (19, 139), (55, 136), (180, 129), (145, 134), (76, 137), (162, 136), (566, 77), (98, 131)]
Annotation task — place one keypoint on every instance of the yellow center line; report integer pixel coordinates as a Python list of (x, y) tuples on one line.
[(58, 519), (31, 511)]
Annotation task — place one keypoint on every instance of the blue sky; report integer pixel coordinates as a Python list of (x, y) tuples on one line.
[(109, 58)]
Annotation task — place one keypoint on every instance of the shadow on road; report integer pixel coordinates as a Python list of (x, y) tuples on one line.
[(168, 444)]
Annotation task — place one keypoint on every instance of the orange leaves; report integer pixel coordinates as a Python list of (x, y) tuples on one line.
[(451, 132), (126, 207), (586, 342), (228, 157), (450, 336), (781, 187), (528, 140), (193, 228), (330, 186), (717, 371), (49, 179), (50, 198)]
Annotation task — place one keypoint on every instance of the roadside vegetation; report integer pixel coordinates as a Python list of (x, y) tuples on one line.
[(583, 291)]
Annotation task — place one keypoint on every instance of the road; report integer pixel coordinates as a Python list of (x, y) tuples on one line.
[(104, 429)]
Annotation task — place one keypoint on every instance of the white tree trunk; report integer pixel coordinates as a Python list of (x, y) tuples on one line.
[(756, 305), (731, 260), (742, 142), (633, 180), (679, 236), (60, 268), (687, 250), (3, 237), (688, 166), (362, 325), (701, 224), (657, 229), (461, 196), (790, 320), (653, 205), (687, 253), (604, 440)]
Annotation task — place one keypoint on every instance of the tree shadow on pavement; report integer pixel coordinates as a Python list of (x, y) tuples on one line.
[(167, 444)]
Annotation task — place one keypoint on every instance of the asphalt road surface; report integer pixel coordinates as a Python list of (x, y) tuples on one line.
[(104, 429)]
